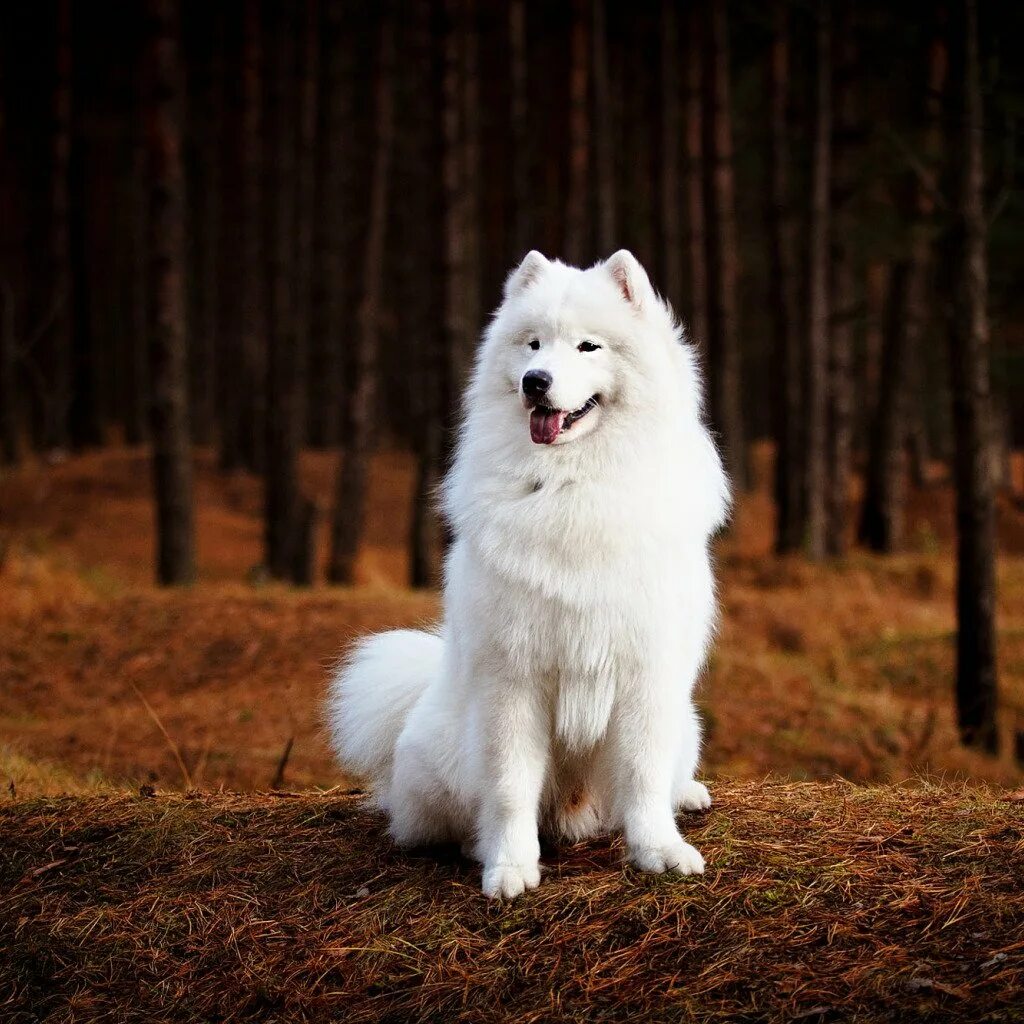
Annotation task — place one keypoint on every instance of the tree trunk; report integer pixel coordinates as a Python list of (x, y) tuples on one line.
[(697, 232), (305, 203), (882, 520), (137, 393), (84, 408), (417, 203), (350, 495), (335, 183), (976, 696), (10, 443), (10, 406), (172, 457), (604, 134), (284, 377), (672, 256), (470, 45), (252, 339), (57, 402), (230, 383), (576, 206), (817, 357), (207, 112), (783, 289), (522, 231), (844, 292), (723, 256), (454, 257)]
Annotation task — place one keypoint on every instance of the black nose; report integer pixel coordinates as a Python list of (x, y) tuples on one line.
[(536, 383)]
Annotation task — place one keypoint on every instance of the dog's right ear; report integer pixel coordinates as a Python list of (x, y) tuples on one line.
[(630, 277), (533, 265)]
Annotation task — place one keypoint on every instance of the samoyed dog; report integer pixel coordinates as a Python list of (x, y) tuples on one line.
[(579, 600)]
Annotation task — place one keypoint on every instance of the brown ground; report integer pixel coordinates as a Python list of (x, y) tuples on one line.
[(844, 669), (822, 902)]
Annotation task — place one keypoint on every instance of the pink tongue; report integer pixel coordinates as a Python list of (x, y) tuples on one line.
[(545, 425)]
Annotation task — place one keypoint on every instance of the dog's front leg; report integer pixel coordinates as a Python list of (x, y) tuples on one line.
[(516, 752), (643, 738)]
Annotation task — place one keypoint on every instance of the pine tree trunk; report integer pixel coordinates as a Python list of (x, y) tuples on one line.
[(696, 227), (723, 256), (284, 377), (136, 413), (783, 290), (672, 256), (976, 695), (335, 183), (207, 110), (882, 520), (84, 410), (917, 441), (230, 283), (469, 46), (10, 406), (604, 134), (350, 493), (10, 442), (922, 256), (454, 257), (576, 216), (252, 341), (172, 457), (817, 357), (875, 290), (844, 298), (417, 203), (57, 403), (522, 224), (305, 204)]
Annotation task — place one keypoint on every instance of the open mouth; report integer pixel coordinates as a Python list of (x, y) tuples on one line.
[(547, 423)]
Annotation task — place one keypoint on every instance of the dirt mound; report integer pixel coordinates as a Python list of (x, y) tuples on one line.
[(821, 902)]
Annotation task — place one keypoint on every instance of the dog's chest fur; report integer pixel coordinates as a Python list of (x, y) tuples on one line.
[(583, 709)]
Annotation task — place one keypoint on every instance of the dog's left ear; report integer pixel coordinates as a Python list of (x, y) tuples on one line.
[(631, 278), (533, 265)]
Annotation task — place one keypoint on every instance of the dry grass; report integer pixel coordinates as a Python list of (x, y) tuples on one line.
[(821, 902)]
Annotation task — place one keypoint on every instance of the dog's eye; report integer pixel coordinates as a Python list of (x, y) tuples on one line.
[(535, 344), (587, 346)]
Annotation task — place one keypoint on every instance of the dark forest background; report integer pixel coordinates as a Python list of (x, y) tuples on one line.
[(269, 226)]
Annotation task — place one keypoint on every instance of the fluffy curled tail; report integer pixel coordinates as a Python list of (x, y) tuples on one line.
[(371, 696)]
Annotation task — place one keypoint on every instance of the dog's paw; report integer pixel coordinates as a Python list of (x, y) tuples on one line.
[(693, 796), (510, 880), (678, 856)]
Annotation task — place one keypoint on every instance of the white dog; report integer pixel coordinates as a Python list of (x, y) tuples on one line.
[(578, 599)]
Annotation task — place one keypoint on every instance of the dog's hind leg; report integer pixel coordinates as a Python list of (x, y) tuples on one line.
[(416, 803)]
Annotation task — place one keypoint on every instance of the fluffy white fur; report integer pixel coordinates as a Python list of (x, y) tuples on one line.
[(578, 600)]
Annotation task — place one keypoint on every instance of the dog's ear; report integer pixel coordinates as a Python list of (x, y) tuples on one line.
[(630, 277), (533, 265)]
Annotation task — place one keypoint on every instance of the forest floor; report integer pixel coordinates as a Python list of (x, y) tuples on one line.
[(822, 902), (151, 891)]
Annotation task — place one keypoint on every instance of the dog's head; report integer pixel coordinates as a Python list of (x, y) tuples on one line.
[(569, 346)]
